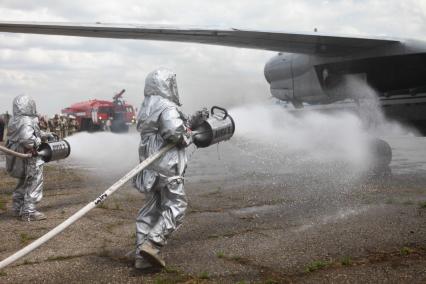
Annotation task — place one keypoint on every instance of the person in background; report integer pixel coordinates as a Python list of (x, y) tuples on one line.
[(73, 125), (25, 137), (2, 126), (63, 126), (43, 123), (55, 126), (6, 118), (108, 124)]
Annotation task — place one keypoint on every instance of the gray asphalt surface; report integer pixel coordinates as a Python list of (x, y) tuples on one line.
[(255, 217)]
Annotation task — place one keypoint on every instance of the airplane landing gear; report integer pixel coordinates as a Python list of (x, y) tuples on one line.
[(381, 157)]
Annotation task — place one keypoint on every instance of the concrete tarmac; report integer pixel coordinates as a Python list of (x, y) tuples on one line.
[(255, 216)]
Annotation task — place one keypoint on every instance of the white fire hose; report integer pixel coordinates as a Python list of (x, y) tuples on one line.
[(14, 153), (24, 251)]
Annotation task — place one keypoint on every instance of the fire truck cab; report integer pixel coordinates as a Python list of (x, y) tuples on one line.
[(100, 115)]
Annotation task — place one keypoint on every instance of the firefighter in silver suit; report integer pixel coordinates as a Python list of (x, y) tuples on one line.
[(24, 137), (160, 122)]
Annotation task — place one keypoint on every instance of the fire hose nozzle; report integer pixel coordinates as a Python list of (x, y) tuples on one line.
[(48, 151), (218, 127), (52, 151)]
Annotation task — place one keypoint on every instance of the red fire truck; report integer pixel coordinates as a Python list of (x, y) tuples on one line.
[(94, 115)]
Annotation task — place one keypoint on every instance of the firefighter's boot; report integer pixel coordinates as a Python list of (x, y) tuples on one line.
[(34, 216), (151, 253)]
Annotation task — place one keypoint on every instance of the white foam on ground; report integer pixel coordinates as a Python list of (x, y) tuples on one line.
[(341, 214)]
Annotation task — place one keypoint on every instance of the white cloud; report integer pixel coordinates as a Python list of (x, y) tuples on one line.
[(60, 70)]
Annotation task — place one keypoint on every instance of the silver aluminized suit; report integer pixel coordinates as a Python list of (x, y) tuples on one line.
[(160, 122), (24, 135)]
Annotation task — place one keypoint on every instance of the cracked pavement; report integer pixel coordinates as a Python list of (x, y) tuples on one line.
[(252, 219)]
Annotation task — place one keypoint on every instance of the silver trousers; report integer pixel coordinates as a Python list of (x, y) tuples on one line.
[(162, 213), (29, 190)]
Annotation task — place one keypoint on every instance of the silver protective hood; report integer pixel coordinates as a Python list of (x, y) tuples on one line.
[(162, 82), (23, 127), (24, 105)]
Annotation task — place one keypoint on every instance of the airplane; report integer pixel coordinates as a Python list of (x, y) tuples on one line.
[(309, 67)]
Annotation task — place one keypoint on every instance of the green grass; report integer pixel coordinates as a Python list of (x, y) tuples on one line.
[(317, 265), (204, 275), (406, 251), (25, 238), (270, 281), (106, 206), (103, 206), (165, 280), (64, 257), (55, 258), (346, 261), (2, 273), (104, 253), (390, 201), (103, 249), (172, 279), (422, 205), (276, 201), (170, 269), (3, 203), (236, 258), (174, 276), (110, 228), (213, 236)]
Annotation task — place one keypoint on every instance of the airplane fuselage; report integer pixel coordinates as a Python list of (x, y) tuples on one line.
[(397, 74), (312, 79)]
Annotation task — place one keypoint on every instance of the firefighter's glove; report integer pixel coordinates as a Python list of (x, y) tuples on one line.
[(48, 137), (53, 137), (186, 139), (198, 118), (33, 152)]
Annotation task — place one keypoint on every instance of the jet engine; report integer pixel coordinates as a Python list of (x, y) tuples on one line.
[(293, 78)]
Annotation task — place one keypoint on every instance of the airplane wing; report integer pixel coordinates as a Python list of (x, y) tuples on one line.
[(314, 43)]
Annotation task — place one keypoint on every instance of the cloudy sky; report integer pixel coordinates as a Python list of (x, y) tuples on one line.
[(58, 71)]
